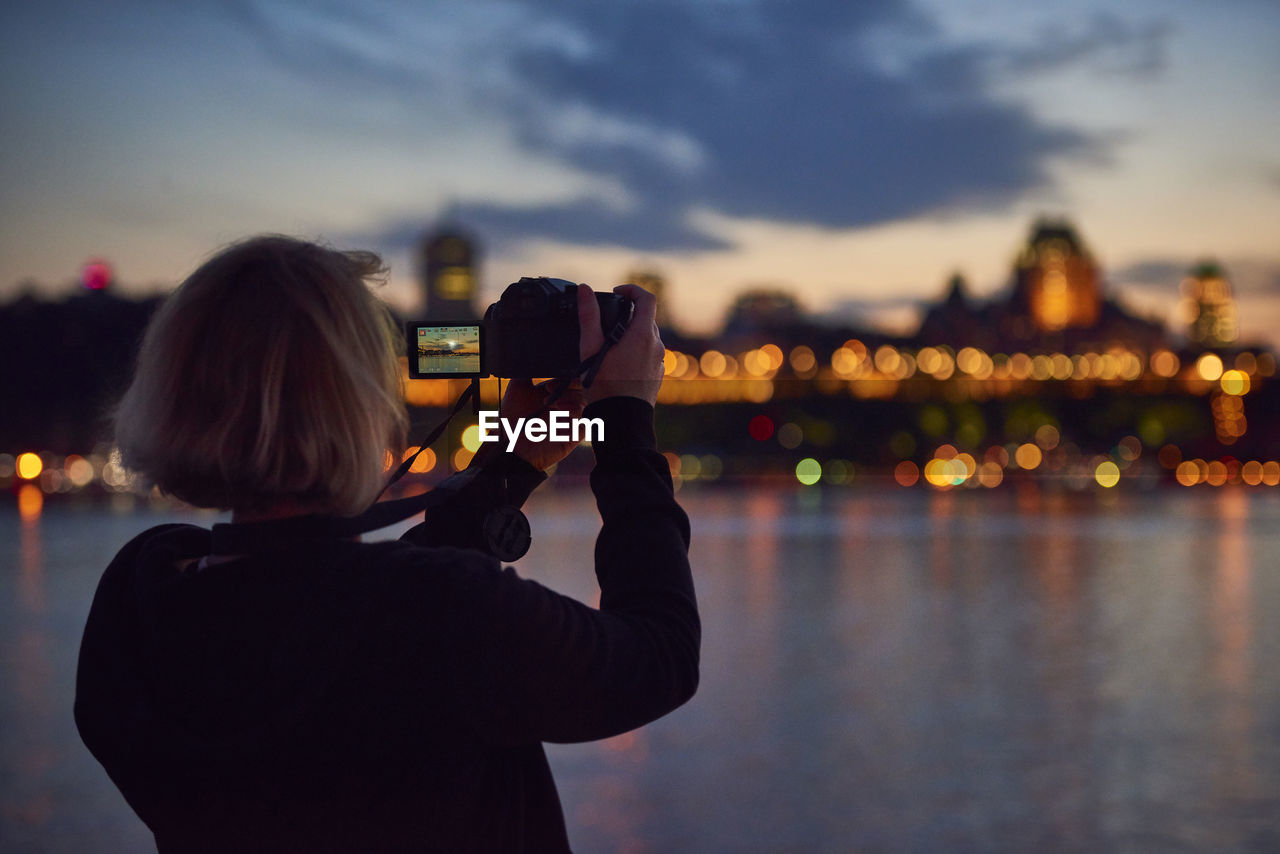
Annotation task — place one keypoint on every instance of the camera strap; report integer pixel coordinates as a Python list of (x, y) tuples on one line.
[(588, 369)]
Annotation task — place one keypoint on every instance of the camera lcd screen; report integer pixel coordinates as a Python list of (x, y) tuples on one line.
[(438, 351)]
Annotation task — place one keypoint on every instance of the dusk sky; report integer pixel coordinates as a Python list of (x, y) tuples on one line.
[(857, 153)]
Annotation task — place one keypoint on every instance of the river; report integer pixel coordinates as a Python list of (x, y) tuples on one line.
[(883, 670)]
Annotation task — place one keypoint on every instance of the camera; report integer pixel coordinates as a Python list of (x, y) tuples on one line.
[(531, 331)]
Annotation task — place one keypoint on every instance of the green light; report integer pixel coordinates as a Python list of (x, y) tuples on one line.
[(808, 471)]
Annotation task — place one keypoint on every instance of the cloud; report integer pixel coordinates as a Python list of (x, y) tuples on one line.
[(761, 109), (1154, 271), (1109, 42), (1249, 276)]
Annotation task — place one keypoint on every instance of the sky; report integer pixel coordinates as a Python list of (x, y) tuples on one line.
[(857, 154)]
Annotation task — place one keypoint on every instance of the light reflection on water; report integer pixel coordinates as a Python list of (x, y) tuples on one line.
[(887, 671)]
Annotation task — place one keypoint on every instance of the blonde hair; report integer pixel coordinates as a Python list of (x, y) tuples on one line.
[(269, 376)]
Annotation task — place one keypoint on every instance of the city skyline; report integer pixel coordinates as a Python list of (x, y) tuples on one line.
[(858, 157)]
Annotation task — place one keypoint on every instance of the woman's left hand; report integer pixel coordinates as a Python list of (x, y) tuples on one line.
[(523, 399)]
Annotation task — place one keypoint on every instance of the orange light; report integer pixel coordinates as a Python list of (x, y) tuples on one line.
[(30, 502), (906, 473), (1165, 363), (1235, 382), (803, 360), (845, 362), (29, 466), (425, 462), (79, 470), (1188, 473), (1209, 367), (1047, 436), (1028, 456), (773, 353), (712, 363), (673, 463)]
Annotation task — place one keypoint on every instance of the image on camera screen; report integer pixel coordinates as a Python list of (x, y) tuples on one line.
[(444, 350)]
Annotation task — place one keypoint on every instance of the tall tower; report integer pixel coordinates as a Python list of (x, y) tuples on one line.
[(1209, 306), (448, 259), (1056, 279)]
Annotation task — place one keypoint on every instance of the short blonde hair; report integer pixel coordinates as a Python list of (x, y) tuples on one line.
[(269, 376)]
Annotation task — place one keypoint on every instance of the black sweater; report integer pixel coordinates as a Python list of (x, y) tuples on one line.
[(337, 696)]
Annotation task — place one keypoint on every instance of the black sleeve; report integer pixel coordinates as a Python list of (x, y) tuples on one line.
[(573, 673), (491, 481)]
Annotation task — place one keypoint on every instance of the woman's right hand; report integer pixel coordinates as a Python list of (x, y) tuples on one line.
[(633, 366)]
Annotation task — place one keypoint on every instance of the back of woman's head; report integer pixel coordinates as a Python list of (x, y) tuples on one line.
[(268, 377)]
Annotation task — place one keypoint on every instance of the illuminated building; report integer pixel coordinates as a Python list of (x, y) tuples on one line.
[(1209, 306), (1056, 279), (1055, 304), (449, 270), (1048, 379)]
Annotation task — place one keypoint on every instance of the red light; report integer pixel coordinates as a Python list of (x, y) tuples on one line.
[(760, 428), (96, 275)]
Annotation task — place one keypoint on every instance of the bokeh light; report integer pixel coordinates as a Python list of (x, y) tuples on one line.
[(1235, 382), (471, 438), (712, 363), (1047, 436), (673, 462), (1187, 473), (1107, 474), (29, 466), (838, 472), (790, 435), (1209, 367), (760, 428), (906, 473), (712, 467), (990, 474), (669, 362), (79, 471), (1028, 456), (808, 471), (690, 466), (802, 360), (1165, 364), (425, 462)]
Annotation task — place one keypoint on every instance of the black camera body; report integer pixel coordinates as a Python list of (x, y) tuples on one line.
[(531, 331)]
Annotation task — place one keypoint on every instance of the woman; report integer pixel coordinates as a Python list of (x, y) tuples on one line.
[(275, 685)]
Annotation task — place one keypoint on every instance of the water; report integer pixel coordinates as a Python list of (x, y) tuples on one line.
[(882, 671)]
